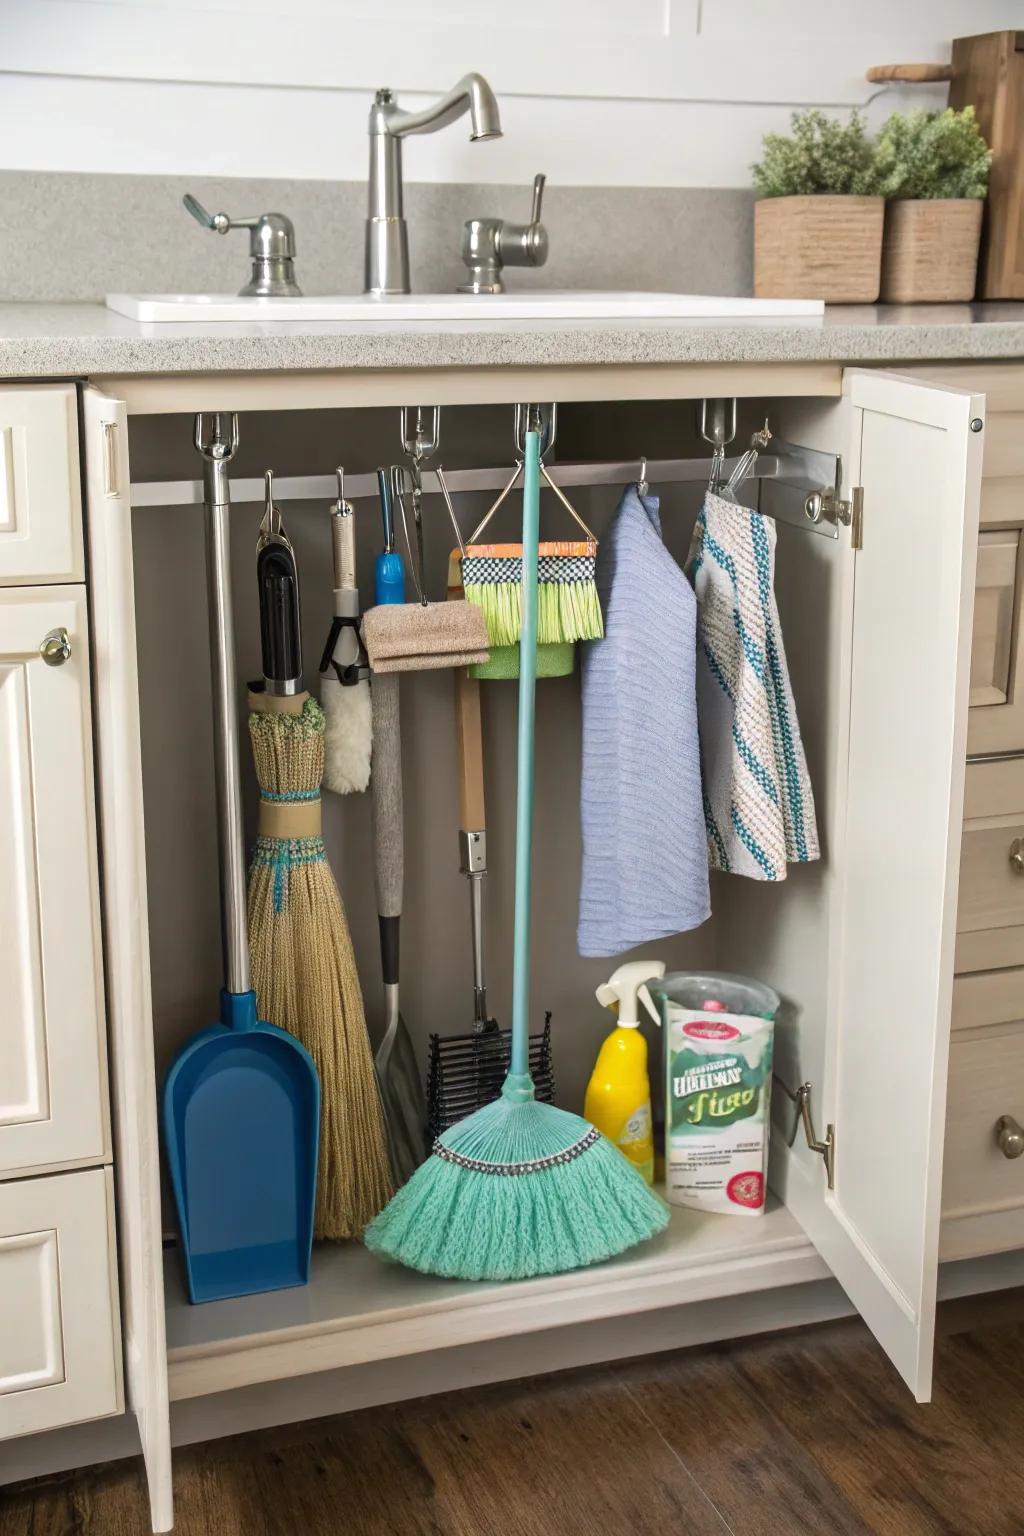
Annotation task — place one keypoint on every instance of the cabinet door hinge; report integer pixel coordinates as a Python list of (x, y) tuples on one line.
[(827, 1148)]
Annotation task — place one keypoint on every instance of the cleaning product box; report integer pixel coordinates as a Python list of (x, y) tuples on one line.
[(718, 1039)]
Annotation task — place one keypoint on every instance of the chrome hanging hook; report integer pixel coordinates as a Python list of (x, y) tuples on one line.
[(341, 507), (745, 465), (222, 444), (542, 419), (716, 422), (272, 529)]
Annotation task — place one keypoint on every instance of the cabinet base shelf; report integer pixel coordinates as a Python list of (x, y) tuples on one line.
[(356, 1309)]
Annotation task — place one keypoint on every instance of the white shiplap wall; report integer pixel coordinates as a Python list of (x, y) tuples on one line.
[(597, 92)]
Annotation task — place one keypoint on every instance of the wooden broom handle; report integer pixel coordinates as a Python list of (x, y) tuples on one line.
[(912, 74), (472, 814)]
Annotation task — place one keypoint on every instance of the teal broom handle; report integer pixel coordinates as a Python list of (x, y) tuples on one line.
[(520, 1061)]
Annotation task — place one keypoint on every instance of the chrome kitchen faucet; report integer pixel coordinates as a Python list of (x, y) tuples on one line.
[(387, 238)]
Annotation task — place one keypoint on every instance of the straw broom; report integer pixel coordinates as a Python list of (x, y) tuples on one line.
[(303, 968)]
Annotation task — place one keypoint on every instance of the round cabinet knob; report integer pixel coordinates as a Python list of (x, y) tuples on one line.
[(1017, 855), (814, 507), (56, 647), (1009, 1136)]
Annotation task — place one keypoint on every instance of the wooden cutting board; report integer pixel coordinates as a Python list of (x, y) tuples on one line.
[(988, 73)]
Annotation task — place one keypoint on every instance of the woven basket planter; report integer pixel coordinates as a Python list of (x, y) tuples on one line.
[(930, 254), (818, 248)]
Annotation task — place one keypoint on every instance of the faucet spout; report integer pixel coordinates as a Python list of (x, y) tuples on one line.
[(472, 95), (387, 240)]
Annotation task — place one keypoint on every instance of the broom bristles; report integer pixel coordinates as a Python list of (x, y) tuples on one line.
[(566, 611), (517, 1189), (305, 977)]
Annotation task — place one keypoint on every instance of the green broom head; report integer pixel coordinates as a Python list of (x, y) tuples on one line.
[(517, 1189), (568, 606)]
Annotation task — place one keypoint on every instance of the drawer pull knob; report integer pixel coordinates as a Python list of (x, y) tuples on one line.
[(1009, 1136), (1017, 855), (56, 647)]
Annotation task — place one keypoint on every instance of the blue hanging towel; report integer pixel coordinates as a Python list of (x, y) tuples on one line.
[(645, 862), (758, 801)]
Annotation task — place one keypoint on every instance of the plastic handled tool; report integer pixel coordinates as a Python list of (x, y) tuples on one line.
[(473, 828), (398, 1072), (389, 573), (343, 654), (242, 1099), (278, 584)]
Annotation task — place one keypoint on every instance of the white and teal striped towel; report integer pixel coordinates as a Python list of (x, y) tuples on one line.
[(758, 802)]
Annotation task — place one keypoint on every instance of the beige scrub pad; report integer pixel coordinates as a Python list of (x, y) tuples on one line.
[(418, 637)]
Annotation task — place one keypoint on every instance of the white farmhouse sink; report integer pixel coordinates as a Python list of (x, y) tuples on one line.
[(568, 305)]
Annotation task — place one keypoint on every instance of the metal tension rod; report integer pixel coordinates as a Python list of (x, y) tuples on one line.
[(181, 493)]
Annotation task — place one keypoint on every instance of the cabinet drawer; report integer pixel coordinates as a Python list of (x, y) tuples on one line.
[(59, 1334), (996, 721), (53, 1092), (991, 886), (990, 913), (997, 615), (40, 485)]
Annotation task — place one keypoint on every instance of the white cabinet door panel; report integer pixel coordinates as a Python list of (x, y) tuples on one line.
[(130, 1003), (880, 1054), (59, 1341), (52, 1048), (40, 485)]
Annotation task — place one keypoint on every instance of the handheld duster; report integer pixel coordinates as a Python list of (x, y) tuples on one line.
[(519, 1188)]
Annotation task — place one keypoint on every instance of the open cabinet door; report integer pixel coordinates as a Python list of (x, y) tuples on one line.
[(126, 932), (877, 1058)]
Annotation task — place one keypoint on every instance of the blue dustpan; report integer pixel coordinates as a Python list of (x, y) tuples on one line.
[(242, 1100), (241, 1123)]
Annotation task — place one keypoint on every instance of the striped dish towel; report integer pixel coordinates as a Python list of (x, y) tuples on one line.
[(758, 802)]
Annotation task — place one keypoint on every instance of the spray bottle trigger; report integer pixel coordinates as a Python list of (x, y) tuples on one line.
[(645, 997)]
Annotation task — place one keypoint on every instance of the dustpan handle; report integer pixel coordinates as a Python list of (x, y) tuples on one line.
[(520, 1062), (230, 826)]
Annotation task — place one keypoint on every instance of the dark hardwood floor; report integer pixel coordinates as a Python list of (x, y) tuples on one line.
[(802, 1434)]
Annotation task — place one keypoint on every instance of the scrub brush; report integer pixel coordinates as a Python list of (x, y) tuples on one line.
[(344, 688)]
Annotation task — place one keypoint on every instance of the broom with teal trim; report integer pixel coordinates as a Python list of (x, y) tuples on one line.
[(519, 1188)]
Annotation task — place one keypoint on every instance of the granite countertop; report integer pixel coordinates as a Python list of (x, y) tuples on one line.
[(79, 340)]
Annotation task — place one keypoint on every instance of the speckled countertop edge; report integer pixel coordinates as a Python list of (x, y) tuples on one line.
[(68, 341)]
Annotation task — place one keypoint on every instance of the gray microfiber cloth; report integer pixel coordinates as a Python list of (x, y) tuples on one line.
[(417, 637)]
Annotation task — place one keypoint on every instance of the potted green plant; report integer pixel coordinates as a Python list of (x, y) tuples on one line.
[(818, 220), (933, 169)]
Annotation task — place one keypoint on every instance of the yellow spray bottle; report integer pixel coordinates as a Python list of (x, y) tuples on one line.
[(618, 1097)]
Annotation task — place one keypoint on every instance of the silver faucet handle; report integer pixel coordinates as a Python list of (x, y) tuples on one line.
[(217, 221), (488, 245), (525, 245), (271, 246)]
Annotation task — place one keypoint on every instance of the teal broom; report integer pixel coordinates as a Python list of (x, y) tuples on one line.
[(519, 1188)]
